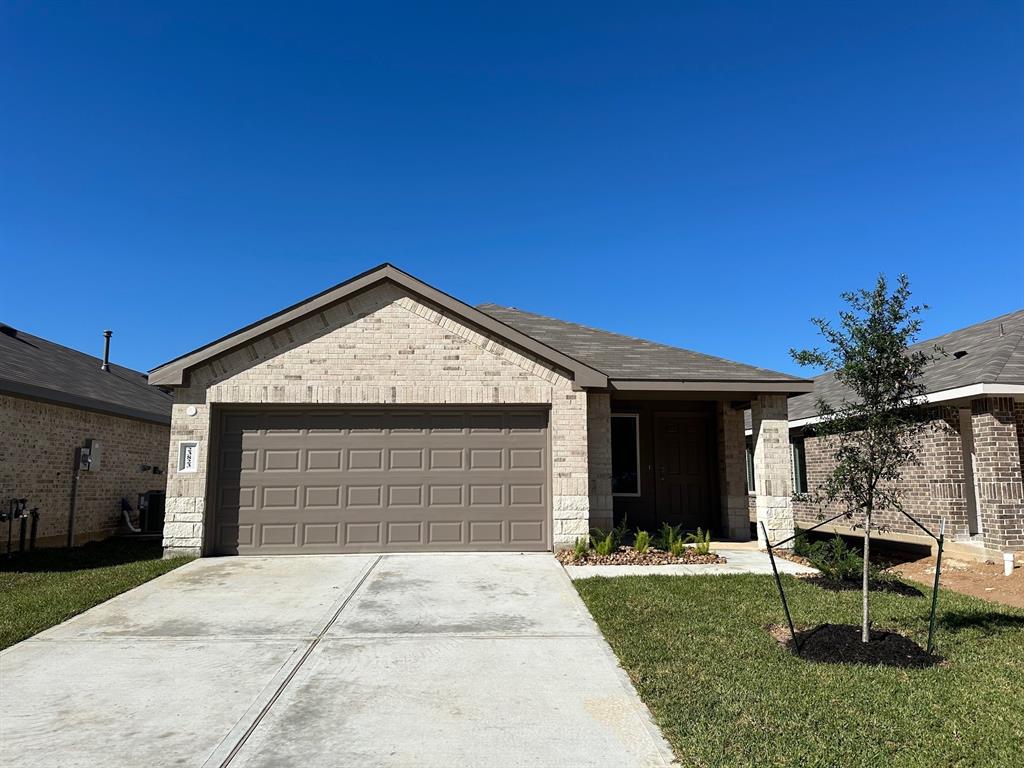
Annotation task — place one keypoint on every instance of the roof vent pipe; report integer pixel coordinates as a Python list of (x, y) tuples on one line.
[(106, 350)]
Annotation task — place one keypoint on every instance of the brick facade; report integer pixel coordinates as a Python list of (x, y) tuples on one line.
[(385, 347), (732, 471), (37, 454), (773, 468), (599, 459), (997, 472), (938, 487)]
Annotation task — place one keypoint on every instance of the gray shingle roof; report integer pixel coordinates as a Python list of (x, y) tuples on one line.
[(995, 355), (37, 368), (628, 358)]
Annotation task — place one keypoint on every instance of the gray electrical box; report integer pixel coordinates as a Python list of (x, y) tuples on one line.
[(92, 455)]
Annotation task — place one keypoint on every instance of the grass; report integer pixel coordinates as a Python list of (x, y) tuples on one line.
[(725, 693), (48, 586)]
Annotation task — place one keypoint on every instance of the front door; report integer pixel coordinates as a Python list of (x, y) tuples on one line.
[(683, 470)]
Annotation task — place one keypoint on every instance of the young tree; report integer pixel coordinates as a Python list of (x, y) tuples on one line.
[(874, 432)]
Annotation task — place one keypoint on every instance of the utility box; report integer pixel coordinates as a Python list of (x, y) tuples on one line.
[(92, 455)]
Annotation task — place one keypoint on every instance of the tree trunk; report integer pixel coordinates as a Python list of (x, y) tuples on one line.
[(865, 630)]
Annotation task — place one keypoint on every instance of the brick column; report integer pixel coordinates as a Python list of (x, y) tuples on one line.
[(732, 473), (997, 473), (599, 459), (185, 511), (773, 474)]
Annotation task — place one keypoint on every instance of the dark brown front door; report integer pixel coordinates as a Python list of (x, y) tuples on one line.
[(682, 470)]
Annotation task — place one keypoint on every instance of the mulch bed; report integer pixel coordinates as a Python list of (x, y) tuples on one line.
[(841, 644), (629, 556), (787, 554)]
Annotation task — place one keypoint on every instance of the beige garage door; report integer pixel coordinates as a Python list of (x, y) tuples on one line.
[(318, 481)]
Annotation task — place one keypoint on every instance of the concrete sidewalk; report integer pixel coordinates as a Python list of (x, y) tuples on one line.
[(344, 660)]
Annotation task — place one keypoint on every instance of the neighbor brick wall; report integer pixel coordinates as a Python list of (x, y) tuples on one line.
[(37, 452), (380, 347), (936, 488), (998, 472), (931, 491)]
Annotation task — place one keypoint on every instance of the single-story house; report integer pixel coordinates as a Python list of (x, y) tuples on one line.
[(970, 472), (57, 404), (386, 415)]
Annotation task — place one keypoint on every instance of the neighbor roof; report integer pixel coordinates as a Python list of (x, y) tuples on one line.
[(33, 367), (994, 356), (593, 357), (629, 358)]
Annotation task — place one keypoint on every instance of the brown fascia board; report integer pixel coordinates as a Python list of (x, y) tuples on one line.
[(172, 373), (787, 387)]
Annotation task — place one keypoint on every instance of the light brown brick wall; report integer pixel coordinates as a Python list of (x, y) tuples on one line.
[(380, 347), (732, 472), (37, 448)]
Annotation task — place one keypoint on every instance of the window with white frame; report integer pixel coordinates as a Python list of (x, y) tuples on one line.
[(625, 454)]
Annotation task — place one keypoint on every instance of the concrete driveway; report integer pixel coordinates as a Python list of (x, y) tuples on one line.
[(346, 660)]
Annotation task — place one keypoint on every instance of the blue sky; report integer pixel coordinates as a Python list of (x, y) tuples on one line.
[(704, 174)]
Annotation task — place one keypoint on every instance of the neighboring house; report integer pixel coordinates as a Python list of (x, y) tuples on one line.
[(970, 472), (52, 401), (383, 414)]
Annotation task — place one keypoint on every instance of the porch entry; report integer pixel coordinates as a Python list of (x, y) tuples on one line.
[(665, 465)]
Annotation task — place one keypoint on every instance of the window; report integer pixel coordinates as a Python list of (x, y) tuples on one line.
[(625, 454), (799, 465), (750, 465)]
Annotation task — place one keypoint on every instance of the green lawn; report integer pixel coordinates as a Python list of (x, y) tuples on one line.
[(48, 586), (727, 694)]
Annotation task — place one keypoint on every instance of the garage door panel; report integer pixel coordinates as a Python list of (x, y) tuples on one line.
[(362, 533), (323, 460), (325, 480), (446, 458)]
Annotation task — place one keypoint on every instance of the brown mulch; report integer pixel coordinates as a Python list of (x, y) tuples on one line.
[(629, 556), (787, 554), (841, 644)]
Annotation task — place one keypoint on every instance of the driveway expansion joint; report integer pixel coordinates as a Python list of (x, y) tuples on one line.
[(283, 684)]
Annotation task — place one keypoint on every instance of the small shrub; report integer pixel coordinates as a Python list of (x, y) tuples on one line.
[(835, 559), (801, 544), (643, 541), (701, 541), (580, 548), (676, 547), (668, 535), (605, 546)]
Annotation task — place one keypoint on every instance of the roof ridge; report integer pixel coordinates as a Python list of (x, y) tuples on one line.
[(997, 319), (1009, 355)]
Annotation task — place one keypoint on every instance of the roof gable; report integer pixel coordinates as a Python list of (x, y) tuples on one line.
[(173, 372)]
